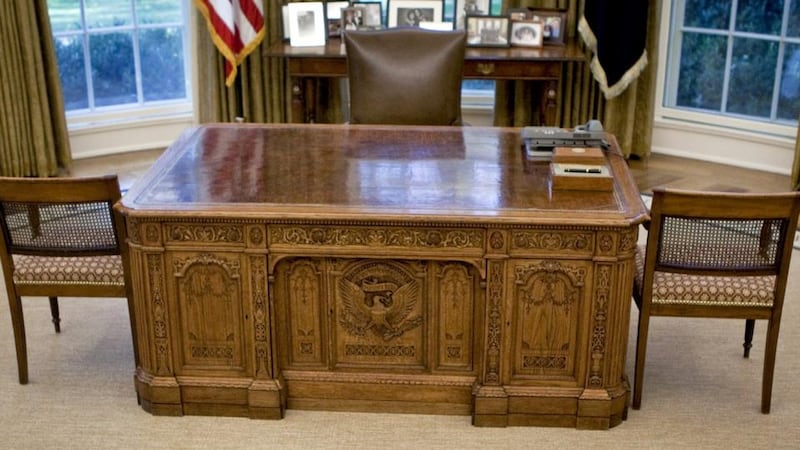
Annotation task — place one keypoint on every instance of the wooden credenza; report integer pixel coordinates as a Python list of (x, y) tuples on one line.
[(376, 268), (543, 66)]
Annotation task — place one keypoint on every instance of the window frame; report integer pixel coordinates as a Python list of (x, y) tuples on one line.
[(117, 116), (666, 83)]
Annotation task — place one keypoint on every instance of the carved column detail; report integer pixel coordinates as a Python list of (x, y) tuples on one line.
[(159, 316), (494, 322), (599, 327), (261, 327)]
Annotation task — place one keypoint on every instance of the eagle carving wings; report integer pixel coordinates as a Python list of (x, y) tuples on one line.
[(383, 307)]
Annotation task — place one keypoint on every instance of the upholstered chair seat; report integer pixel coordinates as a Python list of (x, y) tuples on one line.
[(102, 270), (670, 288)]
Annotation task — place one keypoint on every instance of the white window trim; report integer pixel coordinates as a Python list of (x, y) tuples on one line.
[(114, 130), (711, 137)]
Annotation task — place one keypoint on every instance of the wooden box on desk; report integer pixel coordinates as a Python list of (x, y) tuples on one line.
[(579, 155), (581, 177)]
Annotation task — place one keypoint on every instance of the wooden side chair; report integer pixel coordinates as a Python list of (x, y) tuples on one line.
[(405, 76), (61, 237), (718, 255)]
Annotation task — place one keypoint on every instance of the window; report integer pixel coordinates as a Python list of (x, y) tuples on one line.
[(120, 56), (737, 60)]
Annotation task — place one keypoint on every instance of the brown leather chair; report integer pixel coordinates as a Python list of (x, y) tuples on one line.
[(719, 255), (405, 76), (61, 237)]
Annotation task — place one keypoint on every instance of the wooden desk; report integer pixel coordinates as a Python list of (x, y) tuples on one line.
[(305, 65), (375, 268)]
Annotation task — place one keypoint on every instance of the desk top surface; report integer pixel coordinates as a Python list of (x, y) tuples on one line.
[(371, 172)]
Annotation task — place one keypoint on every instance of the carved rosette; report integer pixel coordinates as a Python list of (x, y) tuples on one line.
[(628, 241), (376, 237), (602, 290), (133, 230)]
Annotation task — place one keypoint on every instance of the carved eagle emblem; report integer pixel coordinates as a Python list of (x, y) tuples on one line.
[(381, 306)]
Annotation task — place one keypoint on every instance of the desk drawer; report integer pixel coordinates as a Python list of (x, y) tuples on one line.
[(517, 70), (318, 67)]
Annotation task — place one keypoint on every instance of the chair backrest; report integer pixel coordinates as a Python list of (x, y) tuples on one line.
[(60, 216), (405, 76), (717, 233)]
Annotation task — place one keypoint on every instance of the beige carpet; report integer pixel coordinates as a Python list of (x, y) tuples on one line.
[(699, 393)]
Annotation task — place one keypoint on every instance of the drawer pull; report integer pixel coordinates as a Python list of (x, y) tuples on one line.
[(486, 68)]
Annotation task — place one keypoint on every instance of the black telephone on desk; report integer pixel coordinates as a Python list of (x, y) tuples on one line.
[(544, 139)]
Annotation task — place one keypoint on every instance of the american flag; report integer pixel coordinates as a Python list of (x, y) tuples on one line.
[(236, 27)]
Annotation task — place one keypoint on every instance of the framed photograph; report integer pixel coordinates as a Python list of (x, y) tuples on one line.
[(553, 22), (466, 8), (373, 14), (307, 24), (409, 13), (333, 16), (352, 18), (487, 31), (526, 33)]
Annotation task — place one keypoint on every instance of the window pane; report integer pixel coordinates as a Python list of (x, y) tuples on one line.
[(158, 11), (113, 73), (72, 70), (107, 13), (707, 14), (793, 28), (65, 15), (789, 100), (162, 64), (760, 16), (702, 71), (752, 77)]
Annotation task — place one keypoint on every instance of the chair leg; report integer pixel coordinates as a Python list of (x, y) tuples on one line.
[(641, 350), (54, 314), (18, 324), (773, 327), (749, 326)]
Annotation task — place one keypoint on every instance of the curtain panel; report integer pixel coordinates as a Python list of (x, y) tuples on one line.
[(629, 116), (35, 141)]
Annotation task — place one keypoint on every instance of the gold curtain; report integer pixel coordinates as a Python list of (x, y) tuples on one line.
[(34, 141), (629, 116), (796, 165), (261, 92)]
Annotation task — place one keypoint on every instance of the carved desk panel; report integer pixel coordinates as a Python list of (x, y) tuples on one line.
[(372, 268)]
